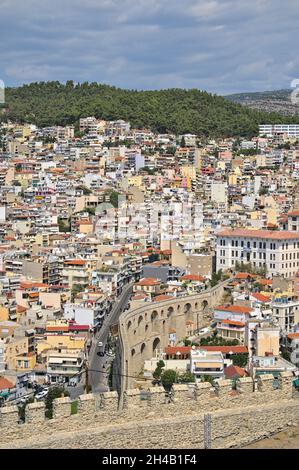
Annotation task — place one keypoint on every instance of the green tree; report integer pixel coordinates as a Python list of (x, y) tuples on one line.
[(22, 408), (113, 196), (174, 110), (207, 378), (159, 369), (240, 359), (263, 191), (168, 378), (64, 226), (76, 289), (55, 392), (186, 377)]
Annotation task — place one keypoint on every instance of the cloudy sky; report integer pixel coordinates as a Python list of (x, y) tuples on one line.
[(221, 46)]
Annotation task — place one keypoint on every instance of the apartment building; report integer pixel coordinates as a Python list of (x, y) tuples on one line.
[(209, 363), (75, 272), (285, 310), (269, 130), (65, 366), (278, 251), (230, 330), (262, 338)]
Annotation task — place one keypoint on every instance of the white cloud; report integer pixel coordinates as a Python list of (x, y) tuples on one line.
[(220, 45)]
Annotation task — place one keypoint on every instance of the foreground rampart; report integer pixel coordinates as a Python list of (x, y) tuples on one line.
[(197, 417)]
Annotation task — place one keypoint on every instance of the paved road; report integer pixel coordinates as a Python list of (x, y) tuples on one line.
[(98, 380)]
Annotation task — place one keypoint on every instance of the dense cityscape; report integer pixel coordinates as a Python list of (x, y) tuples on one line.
[(106, 229)]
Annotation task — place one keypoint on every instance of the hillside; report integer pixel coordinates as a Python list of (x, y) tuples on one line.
[(175, 110), (278, 101)]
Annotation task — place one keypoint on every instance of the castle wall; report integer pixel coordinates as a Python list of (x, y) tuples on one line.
[(196, 417)]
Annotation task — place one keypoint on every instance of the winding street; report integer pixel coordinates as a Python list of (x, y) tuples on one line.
[(98, 380)]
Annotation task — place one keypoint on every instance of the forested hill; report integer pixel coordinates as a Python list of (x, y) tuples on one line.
[(277, 101), (174, 110)]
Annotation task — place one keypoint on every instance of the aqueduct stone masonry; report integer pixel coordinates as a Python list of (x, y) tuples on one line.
[(145, 330)]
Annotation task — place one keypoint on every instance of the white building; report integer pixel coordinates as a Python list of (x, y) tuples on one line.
[(206, 363), (291, 130), (278, 251), (285, 310)]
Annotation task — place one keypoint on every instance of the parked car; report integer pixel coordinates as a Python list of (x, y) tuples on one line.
[(203, 331), (41, 395)]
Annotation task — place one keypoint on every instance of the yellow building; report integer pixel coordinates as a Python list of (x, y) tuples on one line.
[(4, 313), (65, 341), (135, 181), (24, 362), (14, 348), (85, 227), (188, 172)]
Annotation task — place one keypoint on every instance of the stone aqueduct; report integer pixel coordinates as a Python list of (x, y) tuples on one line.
[(145, 330)]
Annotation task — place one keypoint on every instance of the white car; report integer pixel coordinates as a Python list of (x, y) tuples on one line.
[(100, 344), (203, 331), (41, 395)]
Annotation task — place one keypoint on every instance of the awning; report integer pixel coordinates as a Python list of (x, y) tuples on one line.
[(296, 383), (203, 365)]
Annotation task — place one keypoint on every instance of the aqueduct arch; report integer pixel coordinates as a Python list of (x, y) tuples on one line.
[(145, 329)]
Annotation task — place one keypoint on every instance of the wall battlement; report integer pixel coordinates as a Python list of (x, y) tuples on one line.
[(101, 411)]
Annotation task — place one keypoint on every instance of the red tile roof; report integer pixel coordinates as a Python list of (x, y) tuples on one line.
[(148, 281), (234, 371), (226, 349), (293, 335), (260, 297), (159, 298), (192, 277), (265, 282), (223, 349), (75, 262), (244, 276), (57, 328), (78, 328), (4, 384), (233, 323), (175, 349), (234, 309), (263, 234)]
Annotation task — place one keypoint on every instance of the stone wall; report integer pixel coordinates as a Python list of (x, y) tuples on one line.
[(197, 417), (146, 329)]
